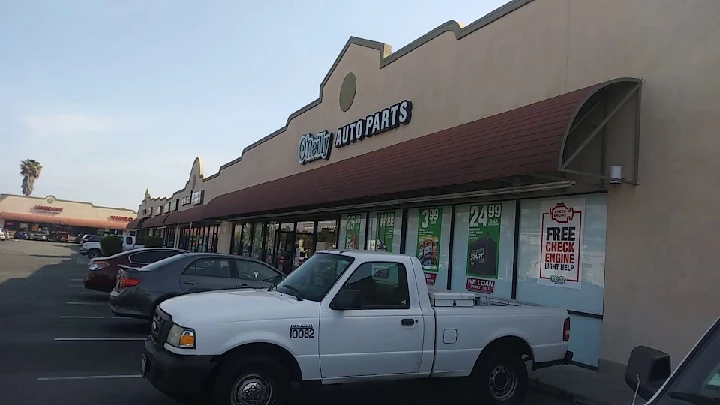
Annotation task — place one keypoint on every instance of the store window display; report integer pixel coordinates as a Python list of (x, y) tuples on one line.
[(428, 238)]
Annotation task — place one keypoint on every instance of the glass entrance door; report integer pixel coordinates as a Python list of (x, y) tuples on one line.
[(284, 251)]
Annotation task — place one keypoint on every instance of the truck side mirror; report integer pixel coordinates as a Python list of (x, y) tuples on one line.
[(345, 299), (647, 370)]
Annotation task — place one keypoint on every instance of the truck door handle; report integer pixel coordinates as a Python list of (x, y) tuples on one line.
[(407, 322), (190, 282)]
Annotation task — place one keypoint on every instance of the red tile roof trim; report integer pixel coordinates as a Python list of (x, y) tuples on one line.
[(523, 141)]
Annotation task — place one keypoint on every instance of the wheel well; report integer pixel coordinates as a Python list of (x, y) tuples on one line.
[(511, 344), (273, 351)]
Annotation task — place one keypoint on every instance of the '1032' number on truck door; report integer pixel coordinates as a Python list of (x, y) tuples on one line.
[(302, 332)]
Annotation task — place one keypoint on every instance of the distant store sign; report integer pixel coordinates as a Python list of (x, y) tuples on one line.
[(318, 146), (48, 209), (197, 197), (166, 207), (123, 219), (185, 200)]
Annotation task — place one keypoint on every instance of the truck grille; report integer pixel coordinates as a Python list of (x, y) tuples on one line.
[(160, 327)]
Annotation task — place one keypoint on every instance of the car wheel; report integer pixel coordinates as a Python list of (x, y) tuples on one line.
[(500, 378), (93, 253), (257, 380)]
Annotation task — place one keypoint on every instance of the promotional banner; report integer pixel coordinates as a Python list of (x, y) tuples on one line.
[(352, 232), (483, 247), (561, 242), (428, 251), (385, 231)]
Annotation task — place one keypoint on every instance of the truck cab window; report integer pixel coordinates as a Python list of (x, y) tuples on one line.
[(381, 285)]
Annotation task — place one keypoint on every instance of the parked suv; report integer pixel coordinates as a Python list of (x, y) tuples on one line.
[(21, 234), (4, 234)]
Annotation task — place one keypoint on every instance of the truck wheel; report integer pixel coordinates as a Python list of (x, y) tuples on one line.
[(502, 378), (256, 380), (93, 253)]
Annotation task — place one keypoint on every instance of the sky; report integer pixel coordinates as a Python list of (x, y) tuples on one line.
[(116, 96)]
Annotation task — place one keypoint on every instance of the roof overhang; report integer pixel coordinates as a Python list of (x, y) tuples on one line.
[(515, 153)]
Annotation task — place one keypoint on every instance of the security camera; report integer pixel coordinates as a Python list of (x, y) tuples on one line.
[(615, 174)]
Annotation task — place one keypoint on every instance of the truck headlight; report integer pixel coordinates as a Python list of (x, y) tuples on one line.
[(181, 337)]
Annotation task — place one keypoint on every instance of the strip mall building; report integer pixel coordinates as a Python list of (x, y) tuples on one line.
[(558, 152), (51, 214)]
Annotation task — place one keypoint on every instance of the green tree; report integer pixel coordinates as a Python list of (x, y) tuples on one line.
[(30, 170)]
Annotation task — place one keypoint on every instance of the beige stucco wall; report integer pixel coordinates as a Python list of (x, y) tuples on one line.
[(70, 209), (660, 279)]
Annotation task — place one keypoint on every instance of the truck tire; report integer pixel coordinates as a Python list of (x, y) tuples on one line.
[(501, 378), (255, 380), (93, 253)]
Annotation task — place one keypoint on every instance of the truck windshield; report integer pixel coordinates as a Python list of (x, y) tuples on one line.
[(314, 278)]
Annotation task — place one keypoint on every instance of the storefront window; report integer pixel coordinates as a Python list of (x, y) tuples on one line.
[(326, 235), (236, 247), (169, 239), (287, 226), (246, 239), (561, 263), (257, 241), (352, 231), (304, 244), (483, 248), (428, 238), (270, 234), (385, 231)]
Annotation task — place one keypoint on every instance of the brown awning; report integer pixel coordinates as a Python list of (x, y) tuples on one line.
[(194, 214), (155, 222), (48, 219), (137, 223), (525, 141)]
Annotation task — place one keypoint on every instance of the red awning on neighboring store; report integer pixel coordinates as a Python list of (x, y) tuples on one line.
[(527, 141), (194, 214), (49, 219)]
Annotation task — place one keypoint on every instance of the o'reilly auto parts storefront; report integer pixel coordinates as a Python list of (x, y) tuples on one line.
[(527, 155)]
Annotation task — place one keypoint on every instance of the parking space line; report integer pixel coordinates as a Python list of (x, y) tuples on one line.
[(85, 303), (76, 279), (119, 318), (101, 339), (75, 285), (89, 377)]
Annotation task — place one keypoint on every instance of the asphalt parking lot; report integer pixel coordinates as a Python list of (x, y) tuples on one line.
[(60, 344)]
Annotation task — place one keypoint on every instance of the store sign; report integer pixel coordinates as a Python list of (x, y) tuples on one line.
[(185, 200), (483, 247), (173, 205), (48, 209), (166, 207), (318, 146), (121, 219), (157, 210), (197, 197), (560, 243)]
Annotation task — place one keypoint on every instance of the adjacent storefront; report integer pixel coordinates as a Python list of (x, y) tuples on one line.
[(509, 165), (56, 217)]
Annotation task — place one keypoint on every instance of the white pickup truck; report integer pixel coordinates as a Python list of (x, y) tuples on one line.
[(92, 248), (342, 317)]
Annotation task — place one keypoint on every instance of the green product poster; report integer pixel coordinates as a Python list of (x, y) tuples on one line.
[(352, 232), (429, 227), (385, 231), (484, 240)]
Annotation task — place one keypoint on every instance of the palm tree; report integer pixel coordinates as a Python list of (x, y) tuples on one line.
[(30, 170)]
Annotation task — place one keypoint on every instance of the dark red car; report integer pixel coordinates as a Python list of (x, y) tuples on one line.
[(102, 271)]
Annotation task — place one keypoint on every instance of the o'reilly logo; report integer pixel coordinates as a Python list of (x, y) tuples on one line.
[(315, 147)]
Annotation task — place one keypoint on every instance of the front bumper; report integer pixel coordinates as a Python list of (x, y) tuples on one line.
[(174, 374)]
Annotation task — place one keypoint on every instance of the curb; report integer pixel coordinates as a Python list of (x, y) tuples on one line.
[(564, 394)]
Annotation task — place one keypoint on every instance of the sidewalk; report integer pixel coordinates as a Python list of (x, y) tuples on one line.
[(583, 386)]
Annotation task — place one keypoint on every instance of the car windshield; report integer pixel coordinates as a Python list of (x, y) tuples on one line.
[(161, 263), (698, 380), (314, 278)]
